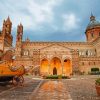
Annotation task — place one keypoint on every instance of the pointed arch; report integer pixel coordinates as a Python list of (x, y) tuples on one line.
[(67, 69), (44, 66), (55, 66)]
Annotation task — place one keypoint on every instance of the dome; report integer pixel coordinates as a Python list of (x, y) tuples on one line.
[(93, 23)]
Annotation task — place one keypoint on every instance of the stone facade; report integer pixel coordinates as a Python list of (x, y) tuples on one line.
[(60, 57)]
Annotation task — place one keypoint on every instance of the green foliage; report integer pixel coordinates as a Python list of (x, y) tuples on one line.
[(97, 81), (56, 77), (52, 77)]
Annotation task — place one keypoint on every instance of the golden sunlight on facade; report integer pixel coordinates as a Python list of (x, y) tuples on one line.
[(55, 67)]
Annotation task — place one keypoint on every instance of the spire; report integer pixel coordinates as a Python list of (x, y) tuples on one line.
[(8, 21), (92, 17)]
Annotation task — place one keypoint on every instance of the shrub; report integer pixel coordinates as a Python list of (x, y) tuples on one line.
[(97, 81), (52, 77), (57, 77)]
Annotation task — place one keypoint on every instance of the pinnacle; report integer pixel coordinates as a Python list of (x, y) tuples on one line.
[(92, 17), (8, 20)]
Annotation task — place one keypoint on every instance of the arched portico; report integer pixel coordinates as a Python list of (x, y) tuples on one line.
[(55, 66)]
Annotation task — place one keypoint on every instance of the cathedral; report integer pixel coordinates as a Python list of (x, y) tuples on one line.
[(52, 58)]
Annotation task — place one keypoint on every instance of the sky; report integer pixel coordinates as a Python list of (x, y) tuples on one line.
[(50, 20)]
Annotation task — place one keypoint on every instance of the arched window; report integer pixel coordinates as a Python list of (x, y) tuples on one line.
[(87, 53), (26, 53)]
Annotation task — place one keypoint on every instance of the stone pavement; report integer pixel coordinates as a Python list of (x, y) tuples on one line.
[(52, 90), (4, 87), (82, 88), (76, 88), (20, 92)]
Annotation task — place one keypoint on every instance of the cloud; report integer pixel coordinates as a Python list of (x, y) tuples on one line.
[(32, 13), (43, 13), (71, 22), (48, 18)]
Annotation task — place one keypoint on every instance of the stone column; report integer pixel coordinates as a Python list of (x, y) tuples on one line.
[(36, 58), (75, 61), (62, 67), (49, 68)]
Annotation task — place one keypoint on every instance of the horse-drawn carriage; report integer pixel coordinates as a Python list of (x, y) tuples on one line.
[(11, 73)]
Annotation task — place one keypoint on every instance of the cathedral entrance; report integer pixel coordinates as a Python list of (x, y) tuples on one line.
[(54, 71), (55, 66)]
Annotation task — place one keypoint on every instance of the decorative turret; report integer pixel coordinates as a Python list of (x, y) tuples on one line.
[(19, 32), (19, 40), (92, 18), (93, 29)]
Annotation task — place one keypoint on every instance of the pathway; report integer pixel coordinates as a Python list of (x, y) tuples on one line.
[(52, 90)]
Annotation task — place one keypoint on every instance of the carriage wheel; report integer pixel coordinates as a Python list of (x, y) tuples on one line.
[(18, 80), (21, 80), (14, 81)]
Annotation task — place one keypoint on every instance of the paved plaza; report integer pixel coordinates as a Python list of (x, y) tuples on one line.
[(76, 88), (82, 88), (52, 90)]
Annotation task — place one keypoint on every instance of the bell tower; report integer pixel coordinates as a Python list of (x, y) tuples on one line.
[(93, 29), (19, 40), (5, 35)]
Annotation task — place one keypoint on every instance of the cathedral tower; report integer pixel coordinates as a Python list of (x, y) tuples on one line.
[(19, 39), (5, 35), (93, 29)]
